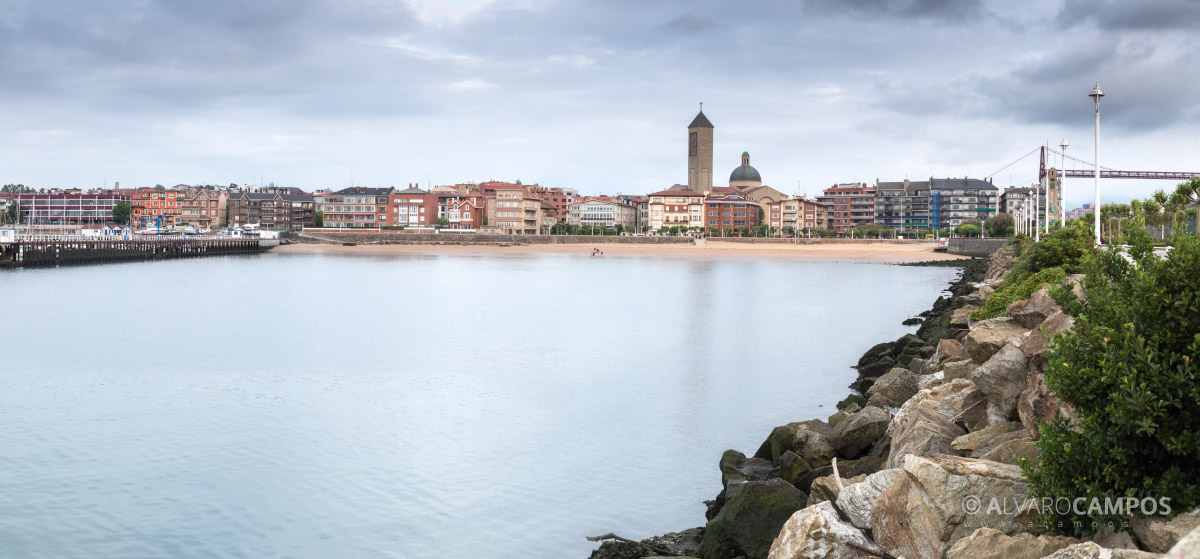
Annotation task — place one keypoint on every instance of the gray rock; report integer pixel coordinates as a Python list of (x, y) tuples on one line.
[(808, 439), (989, 543), (925, 426), (1037, 403), (1012, 451), (893, 389), (818, 533), (917, 365), (1090, 550), (860, 431), (855, 501), (1002, 378), (1033, 311), (736, 470), (1035, 346), (988, 336), (1188, 547), (791, 468), (973, 441), (825, 489), (1159, 535), (749, 522), (1109, 538), (960, 318), (931, 380), (922, 513), (959, 368)]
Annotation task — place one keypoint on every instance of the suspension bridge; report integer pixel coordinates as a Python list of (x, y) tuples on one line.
[(1083, 169)]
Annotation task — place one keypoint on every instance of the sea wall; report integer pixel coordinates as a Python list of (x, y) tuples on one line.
[(975, 247)]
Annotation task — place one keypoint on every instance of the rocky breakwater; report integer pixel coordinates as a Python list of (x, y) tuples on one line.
[(922, 462)]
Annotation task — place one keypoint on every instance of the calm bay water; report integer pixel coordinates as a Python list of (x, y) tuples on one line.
[(301, 405)]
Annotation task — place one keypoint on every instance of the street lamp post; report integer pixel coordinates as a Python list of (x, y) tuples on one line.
[(1096, 94), (1062, 183)]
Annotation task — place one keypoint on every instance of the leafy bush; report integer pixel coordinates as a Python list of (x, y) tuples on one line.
[(1064, 248), (968, 230), (1013, 291), (1129, 370)]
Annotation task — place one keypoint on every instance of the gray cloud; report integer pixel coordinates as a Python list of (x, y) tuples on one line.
[(1123, 15), (594, 94)]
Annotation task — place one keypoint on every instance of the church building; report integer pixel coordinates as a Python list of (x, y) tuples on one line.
[(745, 180)]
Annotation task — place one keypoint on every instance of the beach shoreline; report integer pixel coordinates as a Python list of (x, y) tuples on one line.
[(713, 249)]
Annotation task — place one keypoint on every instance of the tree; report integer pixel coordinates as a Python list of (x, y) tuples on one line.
[(320, 219), (159, 187), (999, 224), (443, 221), (619, 228), (12, 213), (1129, 372), (16, 189), (968, 230), (121, 212)]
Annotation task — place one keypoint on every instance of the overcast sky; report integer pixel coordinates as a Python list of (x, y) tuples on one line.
[(587, 94)]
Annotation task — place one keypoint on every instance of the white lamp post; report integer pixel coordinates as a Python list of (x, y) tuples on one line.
[(1096, 94), (1062, 183)]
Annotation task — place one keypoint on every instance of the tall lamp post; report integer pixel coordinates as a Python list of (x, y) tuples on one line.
[(1096, 94), (1062, 183)]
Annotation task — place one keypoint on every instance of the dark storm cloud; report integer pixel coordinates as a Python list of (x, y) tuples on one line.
[(1122, 15), (944, 10)]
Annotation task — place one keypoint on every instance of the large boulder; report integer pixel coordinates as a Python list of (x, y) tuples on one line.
[(1011, 452), (924, 425), (808, 439), (892, 389), (818, 533), (926, 510), (948, 349), (1091, 550), (749, 522), (825, 489), (928, 433), (988, 336), (984, 437), (1188, 547), (999, 265), (1159, 535), (855, 501), (791, 468), (1033, 311), (1002, 379), (989, 543), (737, 470), (1038, 343), (860, 431), (960, 318), (959, 368)]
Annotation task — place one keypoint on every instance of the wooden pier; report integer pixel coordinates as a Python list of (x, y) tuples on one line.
[(53, 250)]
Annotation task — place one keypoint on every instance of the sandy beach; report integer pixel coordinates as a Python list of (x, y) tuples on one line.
[(866, 252)]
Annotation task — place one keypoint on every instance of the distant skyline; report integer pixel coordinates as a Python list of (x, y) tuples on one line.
[(589, 95)]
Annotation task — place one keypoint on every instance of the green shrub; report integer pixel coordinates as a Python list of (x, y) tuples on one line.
[(1015, 289), (1064, 248), (1129, 370), (968, 230)]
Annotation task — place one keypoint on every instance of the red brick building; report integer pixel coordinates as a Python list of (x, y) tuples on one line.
[(726, 212), (848, 205), (411, 207)]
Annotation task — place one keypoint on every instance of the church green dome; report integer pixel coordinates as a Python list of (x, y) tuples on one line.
[(745, 172)]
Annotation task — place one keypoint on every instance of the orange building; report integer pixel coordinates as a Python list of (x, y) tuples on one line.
[(149, 204)]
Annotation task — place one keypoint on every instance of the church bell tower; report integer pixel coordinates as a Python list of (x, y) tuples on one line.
[(700, 154)]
